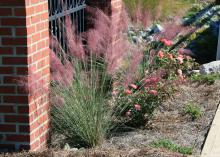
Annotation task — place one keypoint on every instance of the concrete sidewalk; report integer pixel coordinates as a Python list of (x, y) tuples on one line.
[(212, 143)]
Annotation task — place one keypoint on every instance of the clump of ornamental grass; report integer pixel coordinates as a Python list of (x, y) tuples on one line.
[(81, 112), (82, 80)]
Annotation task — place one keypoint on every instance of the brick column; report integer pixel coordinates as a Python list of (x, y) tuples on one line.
[(113, 8), (24, 51)]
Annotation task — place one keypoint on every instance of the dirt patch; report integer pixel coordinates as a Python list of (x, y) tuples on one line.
[(100, 153)]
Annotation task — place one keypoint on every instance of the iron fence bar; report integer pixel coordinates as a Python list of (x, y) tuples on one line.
[(59, 10), (67, 12)]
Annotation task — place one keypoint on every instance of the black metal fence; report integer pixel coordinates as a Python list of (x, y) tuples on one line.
[(58, 12)]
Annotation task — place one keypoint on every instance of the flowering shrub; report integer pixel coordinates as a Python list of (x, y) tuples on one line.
[(135, 104), (175, 63)]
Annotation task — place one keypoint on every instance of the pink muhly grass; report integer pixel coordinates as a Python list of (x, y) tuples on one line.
[(61, 73), (74, 42), (57, 100), (171, 30), (142, 17), (33, 84), (100, 41), (136, 59)]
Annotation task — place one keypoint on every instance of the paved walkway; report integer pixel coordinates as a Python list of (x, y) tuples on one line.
[(212, 144)]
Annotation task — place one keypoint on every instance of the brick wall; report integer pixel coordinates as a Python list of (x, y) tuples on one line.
[(24, 51)]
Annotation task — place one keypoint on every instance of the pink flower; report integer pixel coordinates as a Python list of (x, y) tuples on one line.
[(180, 59), (180, 72), (128, 113), (153, 92), (182, 77), (151, 80), (160, 54), (166, 42), (147, 81), (137, 107), (114, 93), (128, 92), (170, 56), (133, 86), (188, 58)]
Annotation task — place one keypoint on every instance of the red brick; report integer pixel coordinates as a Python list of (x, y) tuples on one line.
[(24, 128), (6, 70), (12, 3), (11, 79), (7, 128), (7, 90), (18, 138), (23, 109), (6, 50), (15, 99), (19, 11), (5, 31), (9, 147), (21, 31), (7, 109), (22, 50), (14, 41), (21, 71), (16, 119), (14, 60), (5, 11), (13, 22)]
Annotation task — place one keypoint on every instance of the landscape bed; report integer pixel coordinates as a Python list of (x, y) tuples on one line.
[(148, 97)]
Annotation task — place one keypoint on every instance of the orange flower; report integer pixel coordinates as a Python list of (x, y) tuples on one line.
[(160, 54), (133, 86), (128, 92), (170, 56)]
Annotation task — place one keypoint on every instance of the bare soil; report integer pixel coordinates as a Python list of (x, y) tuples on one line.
[(169, 122)]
